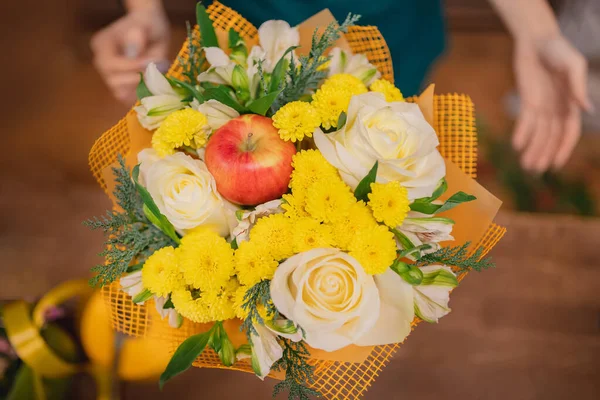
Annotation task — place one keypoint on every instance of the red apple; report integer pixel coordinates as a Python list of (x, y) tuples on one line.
[(249, 161)]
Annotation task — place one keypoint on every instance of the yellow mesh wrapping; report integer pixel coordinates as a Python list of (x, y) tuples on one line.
[(455, 125)]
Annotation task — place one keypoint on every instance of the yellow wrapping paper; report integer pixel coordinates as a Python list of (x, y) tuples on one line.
[(347, 373)]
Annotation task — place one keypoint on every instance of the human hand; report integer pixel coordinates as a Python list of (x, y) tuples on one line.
[(552, 82), (124, 48)]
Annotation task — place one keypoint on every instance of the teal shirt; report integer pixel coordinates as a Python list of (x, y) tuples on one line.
[(413, 29)]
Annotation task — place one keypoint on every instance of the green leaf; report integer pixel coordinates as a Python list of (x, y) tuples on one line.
[(341, 120), (234, 38), (234, 244), (278, 73), (222, 95), (184, 356), (168, 304), (191, 89), (208, 37), (364, 187), (142, 90), (439, 190), (262, 104), (453, 201), (151, 209), (135, 268), (456, 199), (142, 296)]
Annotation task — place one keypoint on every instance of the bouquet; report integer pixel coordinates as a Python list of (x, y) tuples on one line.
[(284, 209)]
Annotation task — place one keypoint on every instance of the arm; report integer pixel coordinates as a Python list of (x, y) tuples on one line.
[(551, 78)]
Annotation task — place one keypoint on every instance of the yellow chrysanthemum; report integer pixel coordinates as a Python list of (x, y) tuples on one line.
[(293, 206), (346, 81), (389, 202), (296, 120), (391, 92), (186, 127), (328, 201), (275, 233), (206, 260), (310, 234), (204, 306), (358, 218), (254, 262), (309, 167), (238, 302), (161, 274), (333, 97), (374, 248)]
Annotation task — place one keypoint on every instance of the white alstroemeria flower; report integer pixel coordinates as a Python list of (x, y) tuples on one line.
[(433, 294), (173, 317), (354, 64), (426, 229), (247, 219), (265, 350), (221, 67), (327, 293), (185, 192), (396, 135), (218, 114), (164, 100), (275, 37), (132, 283)]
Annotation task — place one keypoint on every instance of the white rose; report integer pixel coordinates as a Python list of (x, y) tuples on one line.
[(217, 113), (185, 192), (164, 100), (327, 293), (275, 37), (394, 134), (354, 64)]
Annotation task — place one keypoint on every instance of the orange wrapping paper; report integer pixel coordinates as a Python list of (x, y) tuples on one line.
[(347, 373)]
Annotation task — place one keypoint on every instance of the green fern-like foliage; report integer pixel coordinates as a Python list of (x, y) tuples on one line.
[(303, 74), (130, 236), (298, 372), (257, 296), (458, 257)]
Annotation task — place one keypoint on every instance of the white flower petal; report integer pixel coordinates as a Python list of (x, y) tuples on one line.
[(156, 82), (396, 314), (431, 300), (216, 57), (218, 114), (132, 283), (265, 350)]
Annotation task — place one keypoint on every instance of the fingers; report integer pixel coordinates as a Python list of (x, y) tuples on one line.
[(571, 135), (534, 148), (523, 129), (134, 42), (551, 141), (577, 80), (123, 85)]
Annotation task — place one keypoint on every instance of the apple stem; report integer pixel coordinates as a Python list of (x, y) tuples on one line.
[(249, 145)]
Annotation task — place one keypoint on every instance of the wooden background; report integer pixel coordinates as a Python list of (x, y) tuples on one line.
[(527, 330)]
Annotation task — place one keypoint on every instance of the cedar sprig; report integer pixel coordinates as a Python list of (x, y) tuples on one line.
[(192, 67), (298, 372), (130, 236), (257, 296), (305, 77), (458, 257)]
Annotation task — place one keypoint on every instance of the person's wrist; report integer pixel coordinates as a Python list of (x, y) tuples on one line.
[(143, 5)]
